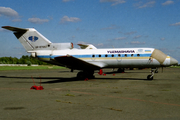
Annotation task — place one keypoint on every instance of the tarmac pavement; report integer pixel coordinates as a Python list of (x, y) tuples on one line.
[(119, 96)]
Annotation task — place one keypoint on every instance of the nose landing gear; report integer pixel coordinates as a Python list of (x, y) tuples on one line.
[(150, 77)]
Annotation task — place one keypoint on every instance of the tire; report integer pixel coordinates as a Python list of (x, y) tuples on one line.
[(81, 75), (120, 70), (149, 77)]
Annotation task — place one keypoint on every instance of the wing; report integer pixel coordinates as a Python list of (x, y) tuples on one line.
[(75, 63)]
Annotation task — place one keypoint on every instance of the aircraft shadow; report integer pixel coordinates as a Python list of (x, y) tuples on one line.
[(115, 72), (52, 80)]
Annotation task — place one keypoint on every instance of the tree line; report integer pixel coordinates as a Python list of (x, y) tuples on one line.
[(25, 59)]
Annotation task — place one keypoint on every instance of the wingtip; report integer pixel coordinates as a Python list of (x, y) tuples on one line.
[(14, 29), (5, 26)]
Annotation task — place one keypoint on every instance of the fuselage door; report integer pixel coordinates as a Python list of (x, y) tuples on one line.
[(93, 57), (51, 55), (119, 57)]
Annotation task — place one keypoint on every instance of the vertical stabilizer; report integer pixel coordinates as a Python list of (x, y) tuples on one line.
[(30, 38)]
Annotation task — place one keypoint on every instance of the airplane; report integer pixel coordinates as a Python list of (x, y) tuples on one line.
[(88, 58)]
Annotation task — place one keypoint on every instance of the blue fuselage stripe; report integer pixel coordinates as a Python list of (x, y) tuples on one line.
[(97, 55)]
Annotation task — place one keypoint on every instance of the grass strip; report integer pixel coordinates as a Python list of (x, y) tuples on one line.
[(175, 66), (28, 67)]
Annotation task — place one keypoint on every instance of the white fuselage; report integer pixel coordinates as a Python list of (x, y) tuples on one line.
[(108, 58)]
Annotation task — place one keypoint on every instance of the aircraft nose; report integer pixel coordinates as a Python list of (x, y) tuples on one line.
[(173, 61)]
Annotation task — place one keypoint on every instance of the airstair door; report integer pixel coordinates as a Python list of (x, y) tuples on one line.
[(119, 57)]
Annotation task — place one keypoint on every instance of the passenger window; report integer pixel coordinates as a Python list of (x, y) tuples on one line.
[(119, 55), (106, 55), (132, 55), (138, 55), (99, 55), (125, 55), (93, 55), (112, 55)]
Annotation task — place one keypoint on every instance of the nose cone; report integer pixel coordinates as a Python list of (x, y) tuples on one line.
[(173, 61)]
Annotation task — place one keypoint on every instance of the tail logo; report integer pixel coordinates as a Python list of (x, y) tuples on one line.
[(33, 38)]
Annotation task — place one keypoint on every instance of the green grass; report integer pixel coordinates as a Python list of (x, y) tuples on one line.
[(175, 66), (28, 67)]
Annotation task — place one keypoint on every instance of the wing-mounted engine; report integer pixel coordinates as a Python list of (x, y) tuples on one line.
[(87, 46), (61, 46)]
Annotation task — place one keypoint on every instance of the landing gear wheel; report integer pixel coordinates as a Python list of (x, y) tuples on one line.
[(120, 70), (85, 74), (150, 77), (91, 76), (81, 75)]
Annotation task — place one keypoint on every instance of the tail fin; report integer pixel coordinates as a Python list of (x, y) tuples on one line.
[(30, 38)]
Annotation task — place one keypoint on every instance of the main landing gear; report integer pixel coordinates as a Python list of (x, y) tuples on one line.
[(120, 70), (85, 74)]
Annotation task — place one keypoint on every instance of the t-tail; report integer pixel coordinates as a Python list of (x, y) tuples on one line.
[(32, 40)]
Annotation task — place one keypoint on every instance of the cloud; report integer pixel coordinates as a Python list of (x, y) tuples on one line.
[(145, 5), (66, 19), (166, 50), (114, 2), (175, 24), (37, 20), (99, 45), (162, 39), (136, 43), (110, 27), (130, 33), (3, 30), (18, 48), (136, 37), (178, 47), (67, 0), (8, 12), (72, 37), (107, 28), (120, 38), (17, 20), (168, 2)]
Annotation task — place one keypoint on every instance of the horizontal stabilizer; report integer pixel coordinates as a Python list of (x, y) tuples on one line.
[(75, 63), (18, 32), (14, 29)]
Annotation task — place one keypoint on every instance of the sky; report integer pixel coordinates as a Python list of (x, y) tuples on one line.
[(103, 23)]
